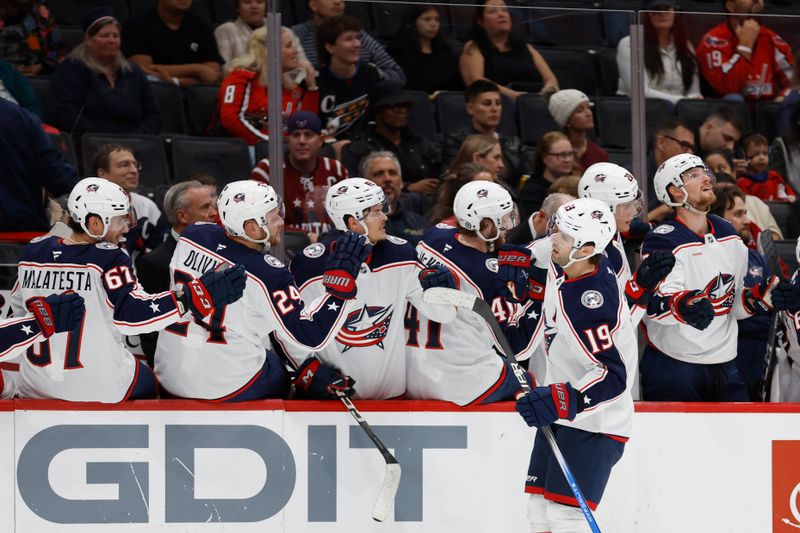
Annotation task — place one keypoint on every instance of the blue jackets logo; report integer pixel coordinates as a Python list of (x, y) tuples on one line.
[(366, 327)]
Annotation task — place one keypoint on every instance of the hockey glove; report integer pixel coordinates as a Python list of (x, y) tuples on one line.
[(57, 313), (513, 263), (772, 293), (224, 287), (438, 276), (693, 308), (651, 272), (545, 405), (343, 264), (319, 381), (638, 229)]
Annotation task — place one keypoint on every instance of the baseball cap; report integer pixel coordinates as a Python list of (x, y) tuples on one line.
[(304, 120)]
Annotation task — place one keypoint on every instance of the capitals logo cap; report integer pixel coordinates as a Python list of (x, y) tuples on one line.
[(304, 120)]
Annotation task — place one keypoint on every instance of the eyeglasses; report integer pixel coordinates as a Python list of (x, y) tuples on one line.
[(126, 164), (563, 156), (685, 145)]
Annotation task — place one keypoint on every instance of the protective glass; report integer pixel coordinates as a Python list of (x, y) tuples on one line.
[(696, 173)]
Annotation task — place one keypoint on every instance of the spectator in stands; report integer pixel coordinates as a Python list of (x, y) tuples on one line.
[(371, 51), (16, 88), (243, 97), (208, 181), (173, 45), (117, 163), (495, 53), (30, 165), (722, 129), (757, 179), (484, 149), (753, 331), (344, 80), (672, 137), (185, 203), (565, 185), (670, 64), (538, 221), (555, 157), (96, 89), (306, 176), (28, 37), (572, 111), (741, 57), (383, 168), (442, 212), (430, 64), (761, 218), (485, 107), (419, 159), (787, 113)]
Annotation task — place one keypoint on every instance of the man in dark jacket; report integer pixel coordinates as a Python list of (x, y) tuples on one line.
[(31, 166)]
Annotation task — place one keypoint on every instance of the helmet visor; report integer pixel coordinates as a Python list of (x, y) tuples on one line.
[(630, 209), (510, 220)]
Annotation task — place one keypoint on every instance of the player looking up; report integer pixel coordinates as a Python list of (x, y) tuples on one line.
[(90, 361), (592, 354), (229, 355)]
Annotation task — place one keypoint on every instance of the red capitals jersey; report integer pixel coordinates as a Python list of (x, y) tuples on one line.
[(304, 194), (767, 74), (243, 105)]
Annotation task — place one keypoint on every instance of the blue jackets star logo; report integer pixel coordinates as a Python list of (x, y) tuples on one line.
[(367, 326)]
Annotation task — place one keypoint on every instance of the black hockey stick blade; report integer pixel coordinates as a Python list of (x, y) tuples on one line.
[(391, 479), (766, 245)]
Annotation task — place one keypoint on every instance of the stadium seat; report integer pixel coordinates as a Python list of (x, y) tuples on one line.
[(766, 119), (69, 12), (694, 112), (149, 151), (786, 251), (226, 159), (614, 119), (387, 19), (619, 157), (421, 118), (10, 254), (170, 102), (63, 143), (225, 10), (41, 84), (609, 71), (452, 115), (201, 107), (71, 36), (199, 8), (533, 118), (552, 27), (262, 150), (780, 210), (575, 69)]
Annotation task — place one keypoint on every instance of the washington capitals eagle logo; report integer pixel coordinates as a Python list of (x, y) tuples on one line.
[(721, 291), (367, 326)]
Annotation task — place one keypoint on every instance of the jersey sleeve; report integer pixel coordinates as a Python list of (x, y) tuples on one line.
[(16, 335), (134, 310), (720, 64), (234, 95), (595, 331)]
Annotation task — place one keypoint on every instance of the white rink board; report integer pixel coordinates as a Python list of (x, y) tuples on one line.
[(463, 469)]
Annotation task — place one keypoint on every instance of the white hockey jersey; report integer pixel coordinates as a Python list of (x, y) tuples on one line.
[(216, 358), (370, 347), (715, 263), (93, 363)]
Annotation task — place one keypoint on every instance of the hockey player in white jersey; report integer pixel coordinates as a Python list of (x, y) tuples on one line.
[(370, 347), (229, 356), (592, 352), (705, 291), (457, 361), (90, 362)]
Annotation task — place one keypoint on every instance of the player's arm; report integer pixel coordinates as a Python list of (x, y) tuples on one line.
[(56, 313), (233, 108)]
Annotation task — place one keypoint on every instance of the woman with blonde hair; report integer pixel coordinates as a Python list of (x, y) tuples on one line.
[(96, 89), (481, 148), (242, 99)]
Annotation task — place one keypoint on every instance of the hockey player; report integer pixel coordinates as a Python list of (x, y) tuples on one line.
[(91, 362), (457, 361), (229, 356), (370, 347), (705, 291), (592, 354)]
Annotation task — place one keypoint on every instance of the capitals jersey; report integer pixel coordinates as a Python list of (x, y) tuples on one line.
[(343, 102), (590, 342), (92, 363), (216, 358), (370, 347), (766, 75), (456, 361), (715, 263)]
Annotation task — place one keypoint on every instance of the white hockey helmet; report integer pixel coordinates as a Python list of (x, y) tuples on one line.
[(98, 196), (352, 197), (611, 184), (477, 200), (586, 220), (245, 200), (670, 172)]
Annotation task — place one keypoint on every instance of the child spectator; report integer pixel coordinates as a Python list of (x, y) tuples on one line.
[(758, 180), (28, 37)]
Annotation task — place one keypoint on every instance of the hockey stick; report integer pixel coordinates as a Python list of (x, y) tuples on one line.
[(445, 296), (391, 480), (767, 246)]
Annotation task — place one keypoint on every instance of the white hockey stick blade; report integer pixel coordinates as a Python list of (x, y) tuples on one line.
[(445, 296), (385, 500)]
